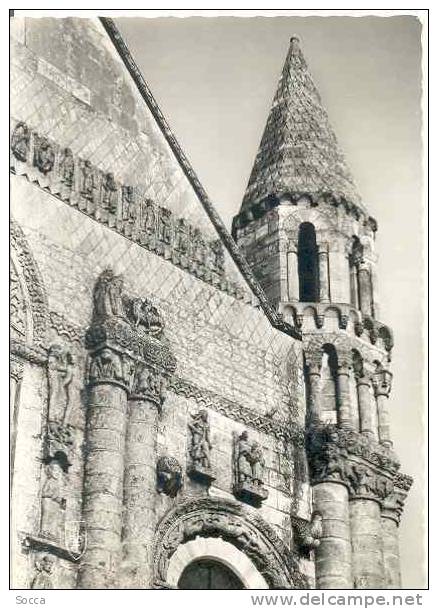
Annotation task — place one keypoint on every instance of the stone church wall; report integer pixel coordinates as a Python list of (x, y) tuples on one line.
[(72, 92)]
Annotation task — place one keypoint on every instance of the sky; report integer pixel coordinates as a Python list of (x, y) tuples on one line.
[(214, 79)]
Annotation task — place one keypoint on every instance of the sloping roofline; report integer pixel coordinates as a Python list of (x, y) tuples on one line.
[(275, 318)]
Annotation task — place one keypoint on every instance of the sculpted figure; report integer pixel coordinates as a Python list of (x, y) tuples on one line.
[(44, 157), (53, 502), (218, 255), (128, 204), (109, 193), (107, 295), (146, 314), (87, 182), (169, 476), (165, 225), (44, 571), (149, 217), (361, 479), (67, 167), (201, 445), (257, 464), (106, 365), (309, 533), (60, 369), (182, 237), (20, 142), (243, 458), (198, 246)]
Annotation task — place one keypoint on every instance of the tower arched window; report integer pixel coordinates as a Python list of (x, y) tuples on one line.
[(308, 271)]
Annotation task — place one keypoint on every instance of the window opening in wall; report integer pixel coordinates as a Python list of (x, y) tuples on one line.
[(308, 271)]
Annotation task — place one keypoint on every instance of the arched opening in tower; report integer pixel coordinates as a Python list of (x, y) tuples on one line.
[(308, 271)]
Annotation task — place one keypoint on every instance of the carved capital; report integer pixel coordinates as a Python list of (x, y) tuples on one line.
[(345, 456), (314, 362), (16, 368), (344, 362)]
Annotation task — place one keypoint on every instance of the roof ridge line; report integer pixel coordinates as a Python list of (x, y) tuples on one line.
[(275, 318)]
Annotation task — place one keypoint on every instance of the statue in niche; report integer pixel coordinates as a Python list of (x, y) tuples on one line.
[(146, 314), (20, 142), (53, 502), (129, 209), (44, 155), (198, 246), (217, 249), (257, 464), (106, 365), (169, 476), (44, 570), (109, 193), (249, 470), (201, 445), (60, 372), (87, 181), (182, 237), (165, 225), (67, 167), (149, 217), (243, 462), (107, 296)]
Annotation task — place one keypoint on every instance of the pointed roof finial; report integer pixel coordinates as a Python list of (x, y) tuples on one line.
[(299, 152)]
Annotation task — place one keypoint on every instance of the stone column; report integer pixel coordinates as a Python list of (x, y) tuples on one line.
[(292, 272), (111, 341), (313, 362), (324, 281), (391, 553), (139, 487), (382, 381), (333, 555), (366, 543), (365, 289), (343, 383), (391, 513), (367, 421), (104, 469)]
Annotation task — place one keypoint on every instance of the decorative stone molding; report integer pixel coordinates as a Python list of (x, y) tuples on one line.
[(73, 333), (34, 286), (234, 523), (282, 430)]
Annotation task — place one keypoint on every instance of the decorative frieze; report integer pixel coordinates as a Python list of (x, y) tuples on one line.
[(120, 206)]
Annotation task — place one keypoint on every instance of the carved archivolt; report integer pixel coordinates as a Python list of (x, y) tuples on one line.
[(25, 271), (233, 523)]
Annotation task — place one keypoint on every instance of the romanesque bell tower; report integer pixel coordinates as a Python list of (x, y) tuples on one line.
[(311, 243)]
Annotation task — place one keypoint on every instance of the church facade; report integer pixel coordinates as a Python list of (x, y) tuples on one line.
[(189, 407)]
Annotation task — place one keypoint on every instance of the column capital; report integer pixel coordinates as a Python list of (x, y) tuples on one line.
[(323, 248), (345, 362), (314, 362)]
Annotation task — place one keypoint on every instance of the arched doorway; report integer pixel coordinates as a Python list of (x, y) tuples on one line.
[(207, 574)]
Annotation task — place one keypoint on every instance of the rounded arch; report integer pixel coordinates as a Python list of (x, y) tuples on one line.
[(235, 524), (29, 301), (214, 548)]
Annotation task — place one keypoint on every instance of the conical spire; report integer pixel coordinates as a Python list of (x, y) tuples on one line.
[(299, 152)]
